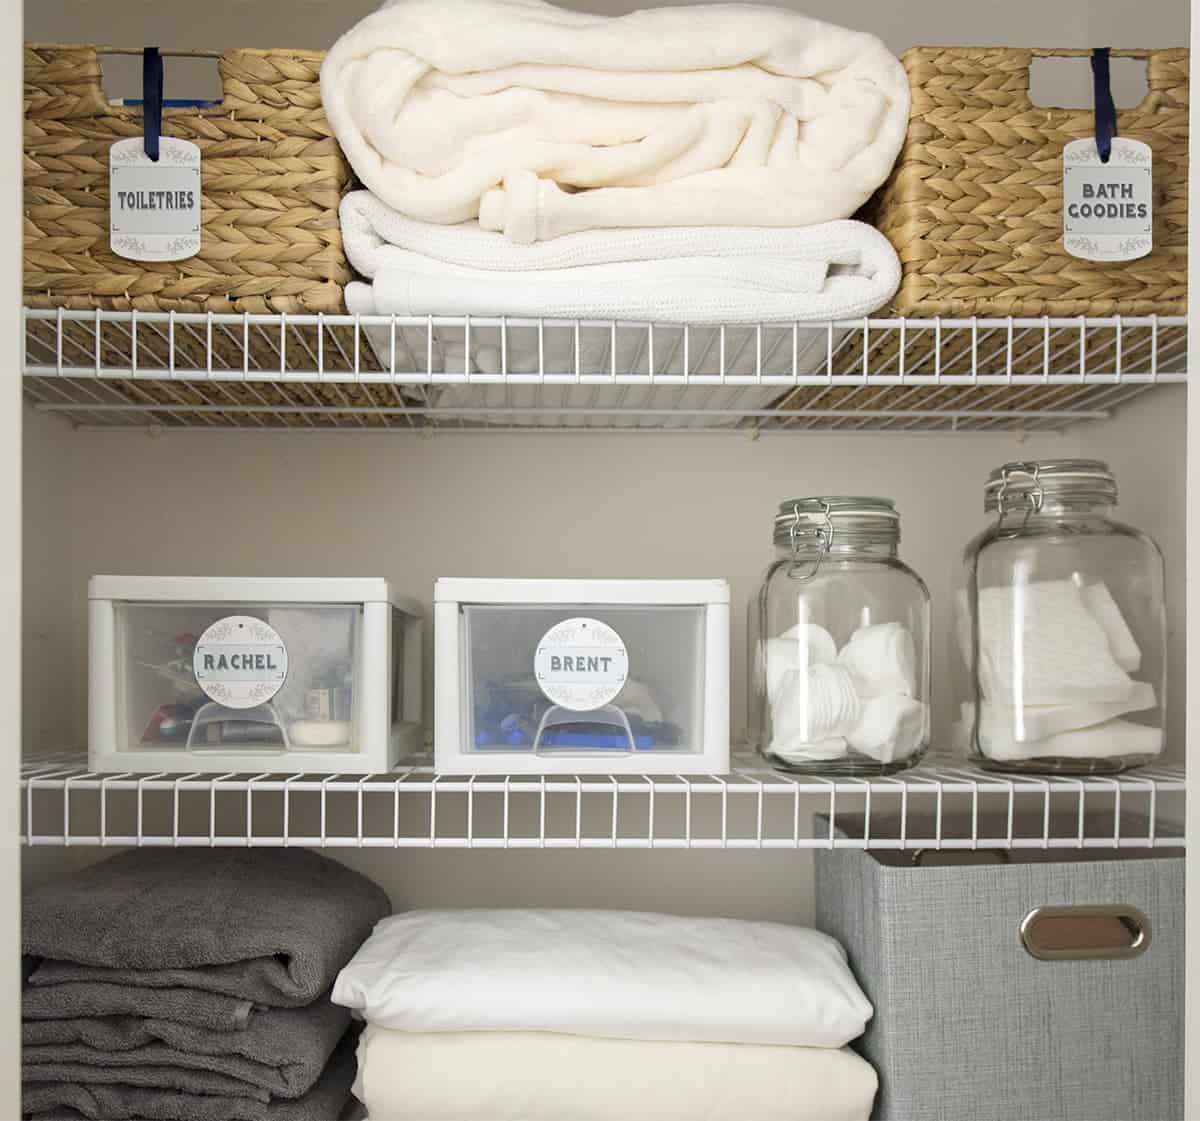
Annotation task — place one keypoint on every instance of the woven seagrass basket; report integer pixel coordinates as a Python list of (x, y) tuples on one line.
[(974, 205), (272, 178)]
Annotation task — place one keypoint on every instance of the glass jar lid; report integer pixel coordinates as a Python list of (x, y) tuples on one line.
[(1028, 485), (822, 522)]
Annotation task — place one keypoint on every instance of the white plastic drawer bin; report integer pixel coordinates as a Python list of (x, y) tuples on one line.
[(581, 676), (280, 675)]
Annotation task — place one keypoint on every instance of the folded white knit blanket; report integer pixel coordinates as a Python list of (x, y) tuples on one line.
[(541, 121), (536, 1076), (835, 270)]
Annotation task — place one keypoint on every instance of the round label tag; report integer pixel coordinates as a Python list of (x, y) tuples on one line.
[(240, 662), (581, 664)]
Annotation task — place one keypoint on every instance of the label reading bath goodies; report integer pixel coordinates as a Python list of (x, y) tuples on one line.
[(1108, 208), (154, 207), (581, 664), (240, 662)]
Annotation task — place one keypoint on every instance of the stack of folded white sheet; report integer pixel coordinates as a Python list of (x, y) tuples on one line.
[(529, 1015), (676, 165)]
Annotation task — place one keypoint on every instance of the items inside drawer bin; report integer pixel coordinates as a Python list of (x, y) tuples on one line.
[(194, 675), (205, 674), (581, 676), (516, 657)]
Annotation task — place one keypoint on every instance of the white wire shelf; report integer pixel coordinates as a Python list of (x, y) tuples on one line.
[(203, 371), (939, 805)]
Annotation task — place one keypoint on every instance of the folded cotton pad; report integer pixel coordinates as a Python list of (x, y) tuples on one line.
[(1115, 737), (1036, 722), (1103, 608), (1040, 645), (882, 660)]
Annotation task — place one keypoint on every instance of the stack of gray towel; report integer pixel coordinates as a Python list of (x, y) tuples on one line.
[(193, 986)]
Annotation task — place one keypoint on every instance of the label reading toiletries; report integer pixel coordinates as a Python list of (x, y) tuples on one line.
[(1108, 208), (240, 662), (581, 664), (154, 208)]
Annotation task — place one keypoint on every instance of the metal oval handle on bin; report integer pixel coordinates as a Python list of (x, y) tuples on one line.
[(1085, 932)]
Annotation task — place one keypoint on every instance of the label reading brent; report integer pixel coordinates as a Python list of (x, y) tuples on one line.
[(240, 662), (581, 664), (1108, 208)]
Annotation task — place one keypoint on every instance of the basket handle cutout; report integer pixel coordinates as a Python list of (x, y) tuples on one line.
[(1057, 82), (1060, 79), (191, 82), (1085, 933)]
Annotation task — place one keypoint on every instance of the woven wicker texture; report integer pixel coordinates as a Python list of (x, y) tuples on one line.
[(974, 205), (272, 177)]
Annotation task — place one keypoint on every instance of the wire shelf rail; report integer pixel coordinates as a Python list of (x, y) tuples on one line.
[(128, 369), (942, 805)]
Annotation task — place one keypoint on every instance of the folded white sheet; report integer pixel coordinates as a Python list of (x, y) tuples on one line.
[(616, 974), (836, 270), (541, 121), (503, 1076)]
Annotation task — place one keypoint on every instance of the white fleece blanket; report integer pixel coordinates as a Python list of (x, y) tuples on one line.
[(616, 974), (502, 1076), (541, 121), (835, 270)]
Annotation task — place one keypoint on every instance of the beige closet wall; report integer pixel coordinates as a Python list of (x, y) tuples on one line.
[(415, 508), (316, 23)]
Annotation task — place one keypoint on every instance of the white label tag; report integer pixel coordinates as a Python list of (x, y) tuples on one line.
[(1108, 208), (154, 208), (240, 662), (581, 664)]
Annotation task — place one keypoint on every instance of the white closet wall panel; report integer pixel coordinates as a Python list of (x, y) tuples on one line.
[(10, 568)]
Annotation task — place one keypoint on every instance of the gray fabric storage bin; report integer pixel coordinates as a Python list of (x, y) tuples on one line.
[(969, 1026)]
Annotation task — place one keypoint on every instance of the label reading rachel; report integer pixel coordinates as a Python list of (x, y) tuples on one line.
[(581, 664), (1108, 208), (240, 662)]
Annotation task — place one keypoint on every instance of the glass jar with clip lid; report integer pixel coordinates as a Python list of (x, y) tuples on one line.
[(839, 642), (1061, 626)]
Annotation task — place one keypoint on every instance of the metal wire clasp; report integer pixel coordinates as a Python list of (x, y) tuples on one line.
[(1030, 500), (822, 534)]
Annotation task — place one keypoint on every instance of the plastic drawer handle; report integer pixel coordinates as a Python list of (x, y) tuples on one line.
[(1087, 932)]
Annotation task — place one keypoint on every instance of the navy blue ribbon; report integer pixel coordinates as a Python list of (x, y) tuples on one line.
[(1106, 111), (152, 99)]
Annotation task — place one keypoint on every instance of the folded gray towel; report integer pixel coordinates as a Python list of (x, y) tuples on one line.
[(269, 925), (324, 1102), (179, 1080), (75, 1000), (282, 1051)]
